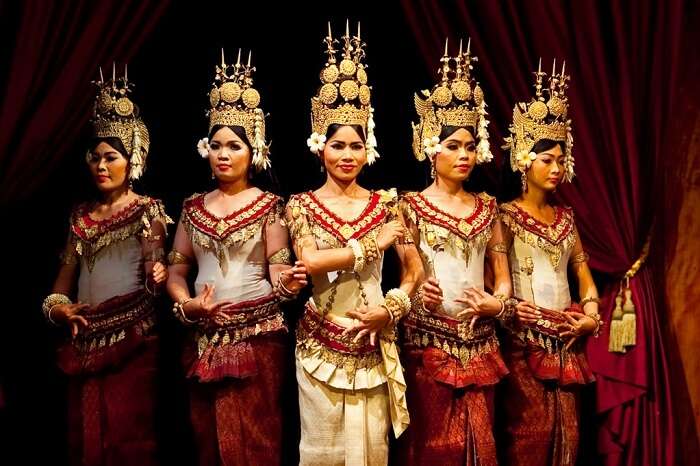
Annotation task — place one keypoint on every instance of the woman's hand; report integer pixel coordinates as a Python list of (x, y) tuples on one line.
[(527, 313), (389, 233), (70, 315), (479, 303), (203, 306), (431, 294), (159, 274), (295, 278), (576, 325), (370, 320)]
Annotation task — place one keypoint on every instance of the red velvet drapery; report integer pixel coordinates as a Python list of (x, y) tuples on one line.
[(57, 48)]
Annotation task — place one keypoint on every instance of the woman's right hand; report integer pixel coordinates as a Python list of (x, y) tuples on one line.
[(70, 315), (389, 233), (203, 306), (431, 293), (527, 313)]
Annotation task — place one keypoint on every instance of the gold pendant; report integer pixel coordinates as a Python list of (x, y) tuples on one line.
[(347, 231), (464, 227), (221, 227)]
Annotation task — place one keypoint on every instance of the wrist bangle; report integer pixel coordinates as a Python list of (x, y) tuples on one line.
[(52, 300), (506, 314), (179, 311), (598, 323), (397, 303), (282, 291), (359, 254), (152, 293), (589, 299)]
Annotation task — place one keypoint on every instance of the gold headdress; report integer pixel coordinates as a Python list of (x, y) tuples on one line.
[(539, 120), (344, 96), (457, 100), (234, 102), (115, 115)]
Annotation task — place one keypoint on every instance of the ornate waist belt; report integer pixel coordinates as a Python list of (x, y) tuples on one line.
[(223, 351), (115, 329), (423, 329), (337, 349)]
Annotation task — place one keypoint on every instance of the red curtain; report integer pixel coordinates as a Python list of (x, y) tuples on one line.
[(57, 49), (624, 61)]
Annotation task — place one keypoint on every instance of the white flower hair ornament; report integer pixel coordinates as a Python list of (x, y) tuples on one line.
[(524, 160), (203, 147), (431, 146), (316, 143)]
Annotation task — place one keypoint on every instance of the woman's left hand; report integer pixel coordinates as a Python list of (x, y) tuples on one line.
[(480, 303), (576, 325), (159, 273), (370, 320), (295, 278)]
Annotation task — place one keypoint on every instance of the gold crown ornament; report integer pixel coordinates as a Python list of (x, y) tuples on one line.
[(344, 96), (234, 101), (542, 119), (115, 115), (456, 100)]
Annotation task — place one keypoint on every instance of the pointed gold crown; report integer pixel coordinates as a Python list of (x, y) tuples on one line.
[(115, 115), (542, 119), (344, 96), (456, 100), (234, 102)]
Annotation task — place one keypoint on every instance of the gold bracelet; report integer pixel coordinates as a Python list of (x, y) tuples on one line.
[(580, 257), (502, 299), (283, 256), (598, 323), (370, 248), (179, 311), (397, 303), (284, 293), (152, 293), (508, 310), (175, 257), (498, 247), (589, 299), (52, 300), (358, 253)]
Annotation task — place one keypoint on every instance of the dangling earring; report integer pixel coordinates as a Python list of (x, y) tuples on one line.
[(433, 172), (212, 176), (523, 181)]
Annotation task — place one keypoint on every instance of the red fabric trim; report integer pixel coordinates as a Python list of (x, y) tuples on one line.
[(313, 204), (194, 208), (432, 214)]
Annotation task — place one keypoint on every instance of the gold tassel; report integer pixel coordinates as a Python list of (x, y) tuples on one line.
[(615, 339), (629, 320), (623, 325)]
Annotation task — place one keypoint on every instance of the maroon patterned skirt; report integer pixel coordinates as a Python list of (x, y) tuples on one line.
[(236, 375), (450, 372), (541, 394)]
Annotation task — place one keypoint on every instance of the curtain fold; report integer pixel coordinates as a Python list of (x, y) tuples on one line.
[(57, 49)]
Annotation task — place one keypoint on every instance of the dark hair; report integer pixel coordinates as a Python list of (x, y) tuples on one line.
[(336, 126), (546, 144), (238, 130), (448, 131), (115, 142)]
